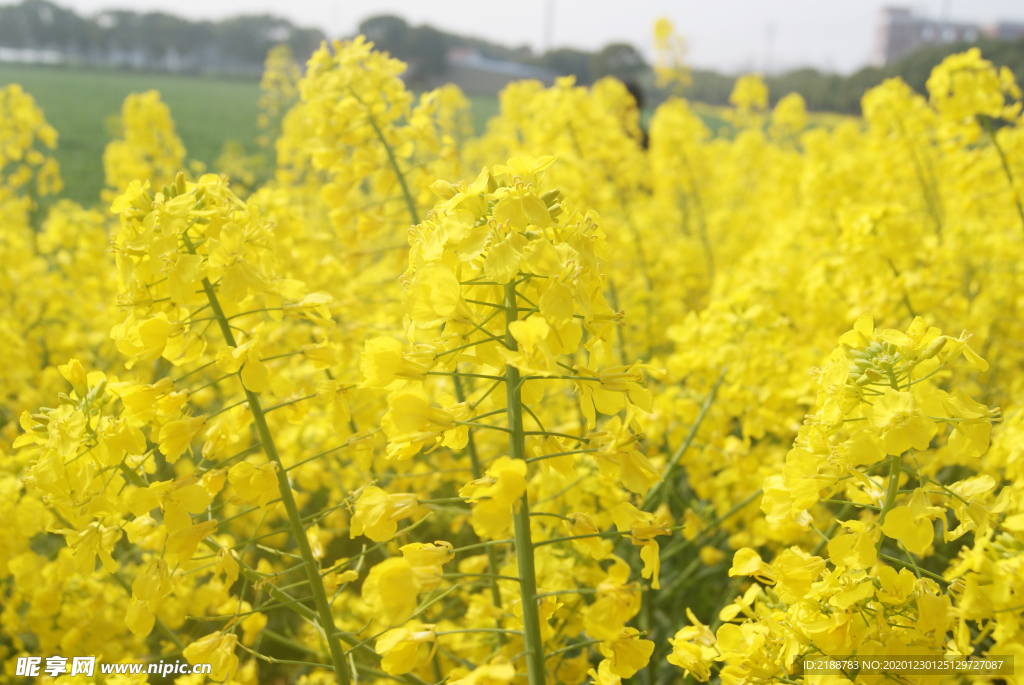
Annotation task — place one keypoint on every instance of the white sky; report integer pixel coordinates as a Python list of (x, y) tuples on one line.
[(728, 35)]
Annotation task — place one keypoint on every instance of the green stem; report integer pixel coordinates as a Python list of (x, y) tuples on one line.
[(931, 575), (605, 534), (614, 297), (702, 224), (309, 615), (575, 645), (161, 626), (501, 631), (674, 461), (478, 545), (676, 549), (647, 625), (479, 575), (533, 644), (1006, 166), (843, 513), (294, 518), (895, 469), (409, 202), (478, 472)]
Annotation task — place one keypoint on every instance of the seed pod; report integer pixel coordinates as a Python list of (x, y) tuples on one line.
[(934, 347)]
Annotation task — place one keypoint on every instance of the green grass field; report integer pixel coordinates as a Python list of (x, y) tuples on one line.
[(207, 111), (78, 103)]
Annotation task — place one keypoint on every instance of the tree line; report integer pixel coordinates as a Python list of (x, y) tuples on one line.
[(160, 41), (151, 40)]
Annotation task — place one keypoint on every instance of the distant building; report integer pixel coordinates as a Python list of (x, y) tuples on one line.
[(31, 56), (900, 32), (1004, 30), (479, 75)]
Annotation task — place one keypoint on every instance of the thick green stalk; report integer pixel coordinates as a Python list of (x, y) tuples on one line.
[(1006, 165), (895, 469), (477, 470), (533, 645), (702, 224), (927, 182), (316, 585)]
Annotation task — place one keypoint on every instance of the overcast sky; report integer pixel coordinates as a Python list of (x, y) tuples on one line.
[(728, 35)]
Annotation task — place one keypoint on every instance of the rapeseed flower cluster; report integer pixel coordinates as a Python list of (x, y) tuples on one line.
[(536, 406)]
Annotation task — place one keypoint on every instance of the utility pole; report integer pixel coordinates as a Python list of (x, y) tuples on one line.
[(769, 44), (549, 25)]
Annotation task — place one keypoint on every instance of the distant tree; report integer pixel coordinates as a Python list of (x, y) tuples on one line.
[(620, 60), (153, 40), (836, 93), (565, 61), (387, 31), (710, 87), (41, 24), (423, 48), (428, 49), (156, 40)]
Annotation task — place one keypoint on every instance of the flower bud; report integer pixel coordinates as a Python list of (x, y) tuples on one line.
[(98, 391), (75, 374)]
